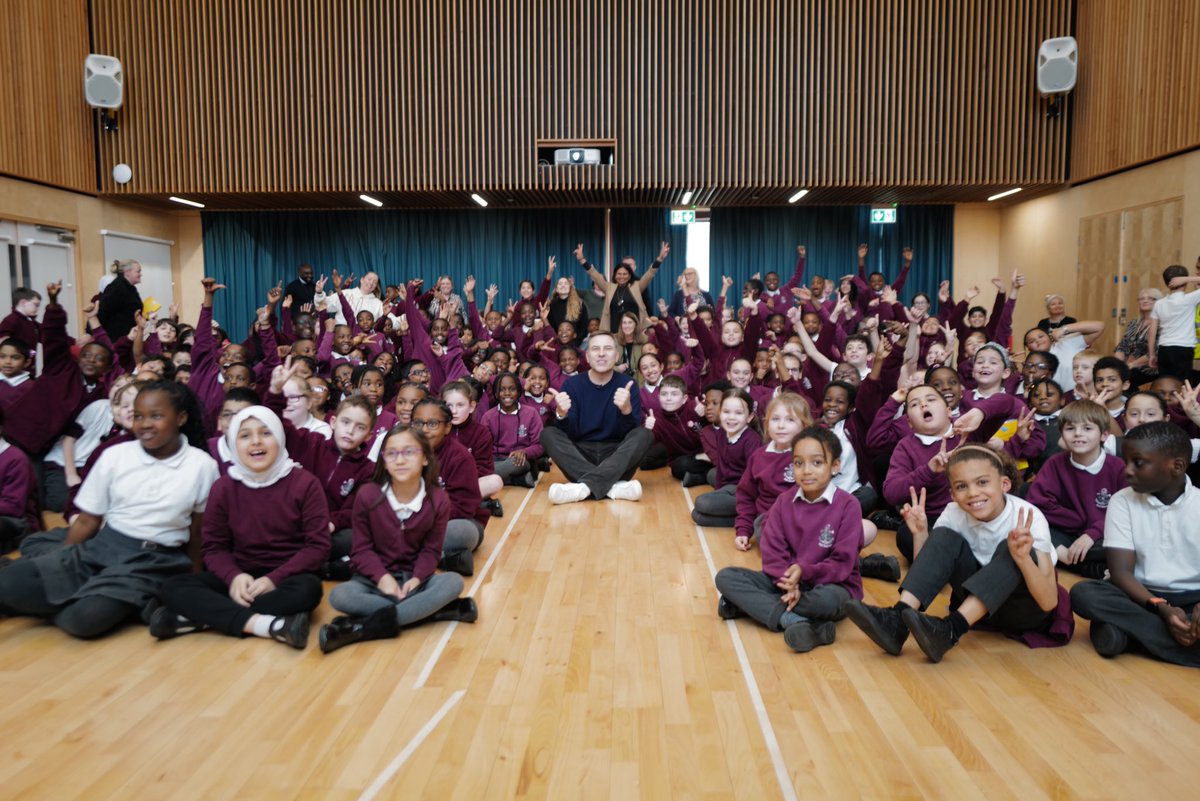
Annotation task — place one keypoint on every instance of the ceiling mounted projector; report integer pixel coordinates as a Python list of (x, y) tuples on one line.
[(577, 155)]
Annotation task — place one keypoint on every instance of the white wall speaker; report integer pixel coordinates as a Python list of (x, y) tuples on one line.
[(1057, 64), (103, 81)]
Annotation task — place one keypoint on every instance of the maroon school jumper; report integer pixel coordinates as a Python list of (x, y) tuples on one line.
[(18, 488), (517, 431), (822, 537), (910, 468), (477, 441), (340, 474), (731, 458), (12, 389), (383, 544), (1073, 500), (768, 475), (678, 431), (284, 527), (458, 476)]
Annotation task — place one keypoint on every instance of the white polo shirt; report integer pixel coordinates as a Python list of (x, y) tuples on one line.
[(1165, 540), (96, 420), (147, 498), (1176, 315), (984, 538)]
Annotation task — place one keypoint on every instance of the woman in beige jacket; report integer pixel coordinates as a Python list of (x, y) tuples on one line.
[(624, 292)]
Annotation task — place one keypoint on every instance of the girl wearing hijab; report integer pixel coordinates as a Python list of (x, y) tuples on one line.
[(265, 536)]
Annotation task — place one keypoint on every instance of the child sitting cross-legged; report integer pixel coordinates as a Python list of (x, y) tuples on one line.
[(810, 544), (994, 549), (1074, 487)]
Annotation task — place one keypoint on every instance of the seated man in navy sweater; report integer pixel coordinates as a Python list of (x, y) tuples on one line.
[(599, 440)]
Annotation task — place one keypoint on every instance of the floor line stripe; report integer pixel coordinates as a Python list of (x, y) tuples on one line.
[(409, 749)]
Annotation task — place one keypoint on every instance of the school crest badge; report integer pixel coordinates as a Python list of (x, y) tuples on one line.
[(522, 431), (825, 538), (1102, 498), (789, 475), (347, 487)]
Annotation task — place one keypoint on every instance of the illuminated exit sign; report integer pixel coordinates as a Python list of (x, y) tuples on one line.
[(682, 216), (883, 216)]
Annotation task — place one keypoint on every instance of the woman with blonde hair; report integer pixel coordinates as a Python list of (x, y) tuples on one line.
[(689, 292), (566, 306), (1056, 309), (1134, 348)]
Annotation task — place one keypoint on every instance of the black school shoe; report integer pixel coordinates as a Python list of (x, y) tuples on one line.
[(1107, 639), (493, 506), (460, 562), (291, 630), (935, 635), (337, 570), (343, 631), (695, 479), (165, 624), (882, 624), (886, 519), (879, 566), (463, 610), (726, 610), (804, 637)]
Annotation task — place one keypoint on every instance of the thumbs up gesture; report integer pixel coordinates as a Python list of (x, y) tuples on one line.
[(649, 420), (621, 399)]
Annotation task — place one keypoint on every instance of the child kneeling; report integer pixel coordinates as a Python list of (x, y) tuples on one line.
[(810, 543), (399, 527), (994, 550), (264, 538)]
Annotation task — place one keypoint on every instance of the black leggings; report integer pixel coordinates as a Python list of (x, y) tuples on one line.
[(22, 593), (203, 598)]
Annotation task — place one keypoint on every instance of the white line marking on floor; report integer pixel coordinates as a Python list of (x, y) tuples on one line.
[(760, 708), (475, 585), (412, 746)]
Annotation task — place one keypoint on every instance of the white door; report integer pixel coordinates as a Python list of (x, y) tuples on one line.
[(44, 258), (155, 257)]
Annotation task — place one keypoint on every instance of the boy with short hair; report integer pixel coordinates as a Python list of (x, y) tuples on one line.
[(1111, 375), (1153, 548), (1171, 338), (1074, 487), (22, 322)]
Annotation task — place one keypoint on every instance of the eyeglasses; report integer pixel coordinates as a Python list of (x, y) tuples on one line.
[(319, 390), (291, 398), (418, 372), (392, 455), (428, 425)]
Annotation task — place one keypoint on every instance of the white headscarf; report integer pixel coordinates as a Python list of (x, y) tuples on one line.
[(228, 449)]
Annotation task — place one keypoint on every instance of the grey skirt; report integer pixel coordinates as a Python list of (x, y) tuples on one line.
[(112, 565)]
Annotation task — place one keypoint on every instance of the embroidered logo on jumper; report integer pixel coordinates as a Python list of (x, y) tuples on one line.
[(789, 475), (522, 431), (347, 487), (441, 482), (1102, 498), (825, 539)]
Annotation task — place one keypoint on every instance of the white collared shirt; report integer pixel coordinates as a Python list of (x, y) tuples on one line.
[(983, 537), (405, 510), (929, 439), (95, 420), (16, 381), (147, 498), (826, 495), (1165, 539), (847, 477), (1094, 467)]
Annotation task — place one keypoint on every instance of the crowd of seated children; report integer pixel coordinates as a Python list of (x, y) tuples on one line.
[(363, 438)]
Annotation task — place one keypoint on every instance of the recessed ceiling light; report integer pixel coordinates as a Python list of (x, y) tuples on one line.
[(797, 196), (478, 199), (373, 201), (687, 197), (186, 202), (1005, 194)]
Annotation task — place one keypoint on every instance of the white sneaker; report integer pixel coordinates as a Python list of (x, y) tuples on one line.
[(626, 491), (569, 493)]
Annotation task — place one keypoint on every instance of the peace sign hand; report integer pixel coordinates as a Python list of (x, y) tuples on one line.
[(1020, 539)]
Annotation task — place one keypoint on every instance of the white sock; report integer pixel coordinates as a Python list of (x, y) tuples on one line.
[(261, 627)]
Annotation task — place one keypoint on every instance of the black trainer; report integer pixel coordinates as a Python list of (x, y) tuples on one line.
[(882, 624), (165, 624), (726, 610), (463, 610), (461, 562), (1107, 639), (935, 635), (291, 630), (879, 566), (803, 637)]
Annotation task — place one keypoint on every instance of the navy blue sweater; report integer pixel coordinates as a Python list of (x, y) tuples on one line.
[(593, 417)]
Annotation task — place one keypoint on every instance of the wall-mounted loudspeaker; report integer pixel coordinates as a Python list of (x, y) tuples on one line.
[(1057, 62), (103, 81)]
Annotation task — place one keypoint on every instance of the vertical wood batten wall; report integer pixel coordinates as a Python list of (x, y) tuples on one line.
[(454, 95), (47, 135), (1138, 94)]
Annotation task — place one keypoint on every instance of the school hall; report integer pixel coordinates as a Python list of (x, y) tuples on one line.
[(629, 400)]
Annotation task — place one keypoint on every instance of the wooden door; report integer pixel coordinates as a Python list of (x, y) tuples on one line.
[(1098, 270)]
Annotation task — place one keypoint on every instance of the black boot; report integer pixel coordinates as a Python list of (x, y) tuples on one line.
[(341, 631), (463, 610)]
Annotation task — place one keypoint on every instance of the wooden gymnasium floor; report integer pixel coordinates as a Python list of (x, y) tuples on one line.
[(598, 669)]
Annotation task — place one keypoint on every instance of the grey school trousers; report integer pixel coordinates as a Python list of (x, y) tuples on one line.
[(597, 464), (755, 593), (1101, 602)]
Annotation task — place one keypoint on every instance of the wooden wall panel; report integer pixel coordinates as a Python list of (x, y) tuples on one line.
[(305, 103), (1138, 94), (47, 135)]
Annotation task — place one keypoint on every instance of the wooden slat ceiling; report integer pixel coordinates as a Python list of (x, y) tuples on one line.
[(246, 104)]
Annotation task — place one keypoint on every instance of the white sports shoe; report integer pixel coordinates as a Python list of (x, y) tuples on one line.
[(570, 493), (626, 491)]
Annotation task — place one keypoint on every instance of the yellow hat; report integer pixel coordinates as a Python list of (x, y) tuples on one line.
[(150, 306)]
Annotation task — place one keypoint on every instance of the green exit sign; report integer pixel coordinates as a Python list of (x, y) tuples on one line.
[(881, 216), (682, 216)]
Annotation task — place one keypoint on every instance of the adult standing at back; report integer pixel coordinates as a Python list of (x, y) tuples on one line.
[(598, 441), (302, 290), (361, 299), (624, 292), (120, 303)]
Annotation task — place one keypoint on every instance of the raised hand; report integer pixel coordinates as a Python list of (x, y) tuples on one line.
[(492, 291), (551, 266), (804, 293), (944, 292), (287, 302), (726, 282), (173, 311), (1025, 425), (579, 254), (862, 251), (996, 282), (306, 308), (939, 461), (968, 422), (801, 251), (281, 374), (907, 252), (469, 284), (664, 250), (913, 512), (211, 287), (275, 293), (971, 293), (337, 281), (663, 308), (562, 402), (319, 286), (649, 424), (1020, 539), (621, 399), (889, 295)]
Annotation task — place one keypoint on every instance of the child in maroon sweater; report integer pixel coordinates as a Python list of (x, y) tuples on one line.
[(1074, 486), (730, 450), (15, 379), (462, 400), (456, 475), (265, 536), (400, 521), (515, 429), (768, 472), (810, 543), (19, 512), (676, 430)]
